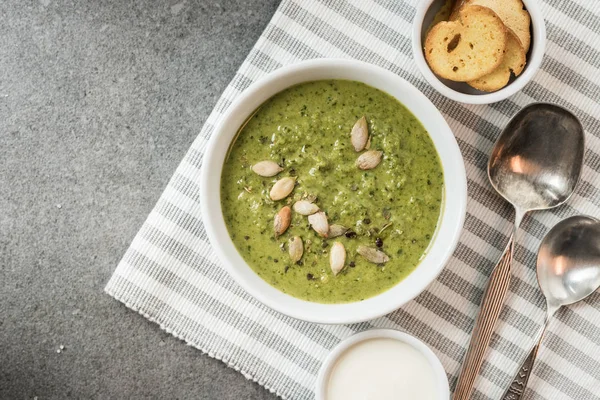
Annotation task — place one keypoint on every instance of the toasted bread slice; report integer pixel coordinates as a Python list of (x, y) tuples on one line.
[(512, 13), (514, 60), (468, 48), (443, 14), (458, 4)]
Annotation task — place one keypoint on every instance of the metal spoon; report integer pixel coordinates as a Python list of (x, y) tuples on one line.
[(535, 165), (568, 271)]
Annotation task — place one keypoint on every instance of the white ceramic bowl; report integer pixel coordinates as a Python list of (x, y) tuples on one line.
[(440, 374), (460, 91), (449, 226)]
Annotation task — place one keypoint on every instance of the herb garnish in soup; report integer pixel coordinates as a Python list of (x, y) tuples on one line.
[(332, 191)]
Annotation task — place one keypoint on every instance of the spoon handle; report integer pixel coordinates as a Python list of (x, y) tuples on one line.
[(519, 383), (491, 305)]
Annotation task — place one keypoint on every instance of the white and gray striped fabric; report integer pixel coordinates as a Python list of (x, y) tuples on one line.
[(172, 277)]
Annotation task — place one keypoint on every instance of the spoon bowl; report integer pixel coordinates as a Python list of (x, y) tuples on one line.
[(537, 160), (568, 264)]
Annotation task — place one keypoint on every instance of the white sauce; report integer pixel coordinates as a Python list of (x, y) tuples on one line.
[(382, 369)]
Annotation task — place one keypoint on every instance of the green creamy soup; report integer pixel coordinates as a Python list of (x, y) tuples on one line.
[(393, 207)]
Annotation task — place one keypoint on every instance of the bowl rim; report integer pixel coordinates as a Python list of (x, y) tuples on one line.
[(378, 333), (340, 313), (535, 59)]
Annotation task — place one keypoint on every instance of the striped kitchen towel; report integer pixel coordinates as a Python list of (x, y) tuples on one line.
[(172, 277)]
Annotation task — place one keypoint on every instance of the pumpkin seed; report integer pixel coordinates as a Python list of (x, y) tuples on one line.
[(336, 230), (373, 255), (369, 159), (266, 168), (282, 220), (359, 134), (296, 249), (282, 188), (337, 257), (319, 223), (305, 207)]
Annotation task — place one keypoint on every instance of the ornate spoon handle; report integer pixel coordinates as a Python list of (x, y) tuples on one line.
[(517, 387), (491, 305), (519, 383)]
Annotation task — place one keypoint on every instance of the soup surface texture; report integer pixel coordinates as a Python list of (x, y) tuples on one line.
[(393, 207)]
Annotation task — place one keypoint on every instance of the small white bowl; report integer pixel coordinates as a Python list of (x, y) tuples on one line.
[(436, 365), (460, 91), (449, 226)]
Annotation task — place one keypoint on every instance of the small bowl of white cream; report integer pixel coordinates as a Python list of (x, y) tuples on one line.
[(382, 364)]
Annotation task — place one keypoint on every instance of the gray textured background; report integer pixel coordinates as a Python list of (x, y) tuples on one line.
[(99, 101)]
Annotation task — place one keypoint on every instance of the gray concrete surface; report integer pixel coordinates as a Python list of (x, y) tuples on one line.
[(99, 100)]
